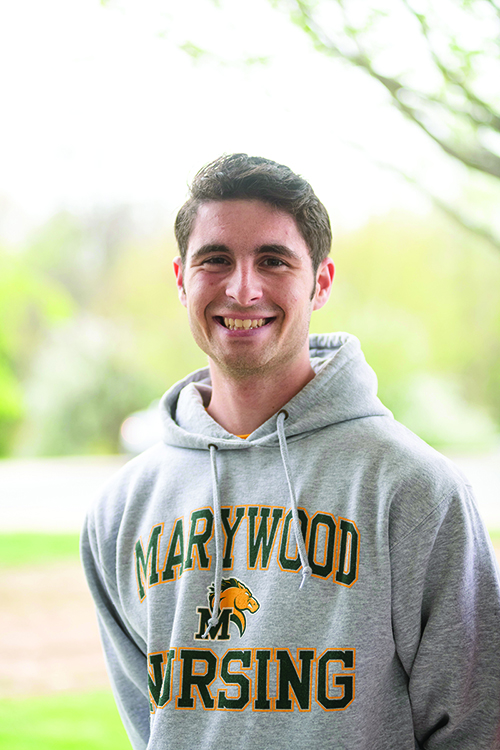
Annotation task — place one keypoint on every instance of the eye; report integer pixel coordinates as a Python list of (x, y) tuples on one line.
[(216, 260), (273, 262)]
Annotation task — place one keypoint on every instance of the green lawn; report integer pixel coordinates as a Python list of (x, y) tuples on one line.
[(87, 721), (495, 536), (18, 549), (65, 721)]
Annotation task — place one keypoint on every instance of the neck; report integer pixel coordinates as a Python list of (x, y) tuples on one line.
[(240, 406)]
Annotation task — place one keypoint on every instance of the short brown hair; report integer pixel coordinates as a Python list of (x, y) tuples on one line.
[(239, 176)]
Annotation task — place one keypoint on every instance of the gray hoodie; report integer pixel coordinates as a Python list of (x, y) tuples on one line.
[(326, 582)]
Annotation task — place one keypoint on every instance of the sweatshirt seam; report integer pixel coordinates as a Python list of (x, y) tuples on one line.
[(424, 520)]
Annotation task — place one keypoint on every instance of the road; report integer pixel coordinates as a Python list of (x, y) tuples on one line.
[(51, 494)]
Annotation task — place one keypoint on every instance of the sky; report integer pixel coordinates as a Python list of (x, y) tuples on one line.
[(102, 105)]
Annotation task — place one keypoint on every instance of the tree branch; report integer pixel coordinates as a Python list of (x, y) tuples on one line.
[(476, 229), (490, 117), (480, 158)]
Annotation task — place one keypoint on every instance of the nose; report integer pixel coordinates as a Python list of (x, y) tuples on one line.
[(244, 285)]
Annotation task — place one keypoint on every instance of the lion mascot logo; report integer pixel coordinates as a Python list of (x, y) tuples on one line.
[(236, 596)]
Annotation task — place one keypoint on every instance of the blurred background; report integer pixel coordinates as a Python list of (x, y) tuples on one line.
[(390, 108)]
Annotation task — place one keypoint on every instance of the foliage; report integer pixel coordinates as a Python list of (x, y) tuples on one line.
[(29, 304), (139, 296), (127, 345), (81, 388), (439, 64), (86, 721), (423, 300), (85, 375)]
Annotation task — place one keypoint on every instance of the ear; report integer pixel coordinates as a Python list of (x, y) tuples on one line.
[(179, 278), (324, 281)]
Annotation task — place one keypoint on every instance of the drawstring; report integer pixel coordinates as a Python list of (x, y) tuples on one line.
[(306, 570), (213, 621)]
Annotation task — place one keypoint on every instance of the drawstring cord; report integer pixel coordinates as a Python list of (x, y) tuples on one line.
[(306, 570), (213, 621)]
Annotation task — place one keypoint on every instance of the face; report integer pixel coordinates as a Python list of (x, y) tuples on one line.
[(247, 285)]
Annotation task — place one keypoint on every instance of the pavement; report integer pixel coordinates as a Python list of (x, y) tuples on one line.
[(53, 494)]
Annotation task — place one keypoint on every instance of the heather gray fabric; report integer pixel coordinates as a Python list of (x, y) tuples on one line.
[(392, 643)]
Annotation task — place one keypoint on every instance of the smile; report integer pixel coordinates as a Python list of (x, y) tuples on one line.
[(246, 324)]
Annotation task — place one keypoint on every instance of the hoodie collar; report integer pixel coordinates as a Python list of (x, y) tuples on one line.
[(344, 388)]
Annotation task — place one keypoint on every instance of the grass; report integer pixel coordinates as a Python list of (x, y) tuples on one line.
[(87, 721), (20, 549), (60, 721)]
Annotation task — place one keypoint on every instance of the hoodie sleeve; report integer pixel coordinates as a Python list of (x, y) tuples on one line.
[(124, 653), (446, 620)]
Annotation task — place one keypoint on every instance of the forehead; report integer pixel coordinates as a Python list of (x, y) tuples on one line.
[(245, 224)]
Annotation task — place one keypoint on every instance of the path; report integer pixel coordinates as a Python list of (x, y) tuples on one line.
[(49, 639)]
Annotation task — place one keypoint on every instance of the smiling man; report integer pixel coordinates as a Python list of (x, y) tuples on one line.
[(289, 565), (248, 282)]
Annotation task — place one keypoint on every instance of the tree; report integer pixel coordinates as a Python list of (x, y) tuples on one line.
[(30, 303), (438, 62)]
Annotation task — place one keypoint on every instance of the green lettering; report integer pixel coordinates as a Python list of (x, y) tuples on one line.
[(230, 532), (291, 563), (192, 679), (289, 678), (235, 678), (199, 540), (347, 567), (175, 554), (143, 563), (260, 543)]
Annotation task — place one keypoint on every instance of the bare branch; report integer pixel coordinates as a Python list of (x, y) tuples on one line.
[(476, 229), (478, 158), (489, 116)]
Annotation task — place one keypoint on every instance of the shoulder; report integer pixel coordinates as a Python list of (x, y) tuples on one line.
[(395, 454), (124, 493), (411, 459), (429, 487), (407, 477)]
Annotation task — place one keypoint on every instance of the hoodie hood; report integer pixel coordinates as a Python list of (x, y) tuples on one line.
[(345, 388)]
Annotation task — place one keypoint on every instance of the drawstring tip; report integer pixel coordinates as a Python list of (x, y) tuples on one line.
[(211, 624), (306, 573)]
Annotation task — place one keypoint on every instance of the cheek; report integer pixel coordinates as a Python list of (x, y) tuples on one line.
[(201, 292), (298, 299)]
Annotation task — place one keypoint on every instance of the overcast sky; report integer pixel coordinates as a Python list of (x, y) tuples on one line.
[(101, 105)]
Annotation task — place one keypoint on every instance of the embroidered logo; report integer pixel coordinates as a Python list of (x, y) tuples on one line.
[(236, 599)]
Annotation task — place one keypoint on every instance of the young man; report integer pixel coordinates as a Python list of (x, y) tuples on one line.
[(290, 565)]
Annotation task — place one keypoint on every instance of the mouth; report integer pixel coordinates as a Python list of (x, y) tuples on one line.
[(242, 324)]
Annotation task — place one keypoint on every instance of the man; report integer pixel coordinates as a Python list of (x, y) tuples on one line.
[(290, 565)]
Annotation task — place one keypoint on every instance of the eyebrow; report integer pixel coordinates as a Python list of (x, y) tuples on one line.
[(274, 249)]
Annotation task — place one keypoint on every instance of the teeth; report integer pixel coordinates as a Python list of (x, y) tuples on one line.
[(246, 323)]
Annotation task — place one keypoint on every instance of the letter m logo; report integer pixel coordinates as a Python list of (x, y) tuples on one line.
[(221, 632)]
